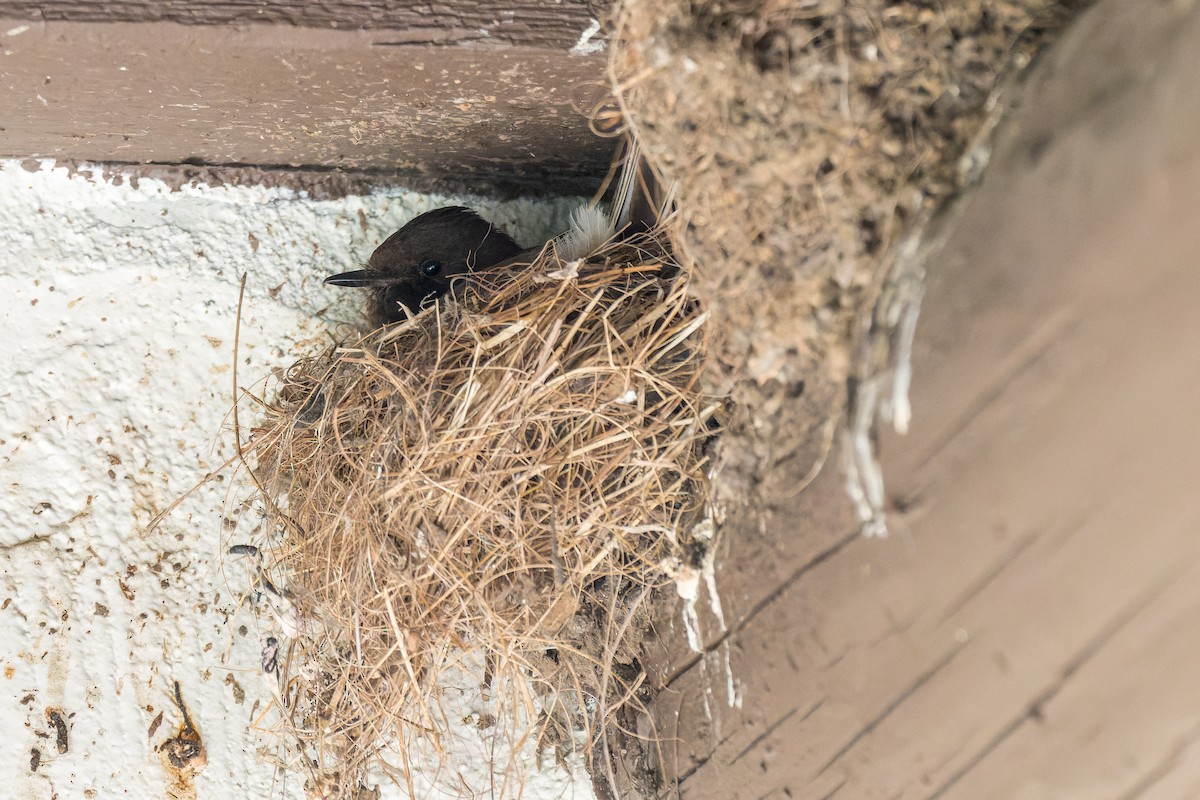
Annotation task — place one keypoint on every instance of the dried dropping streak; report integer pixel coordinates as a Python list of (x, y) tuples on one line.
[(185, 750), (61, 740)]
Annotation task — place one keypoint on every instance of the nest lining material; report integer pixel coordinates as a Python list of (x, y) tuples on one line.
[(503, 475)]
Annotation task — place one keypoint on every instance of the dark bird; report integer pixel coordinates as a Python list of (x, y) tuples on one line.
[(419, 262)]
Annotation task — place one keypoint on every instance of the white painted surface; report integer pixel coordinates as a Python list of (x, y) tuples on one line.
[(117, 326)]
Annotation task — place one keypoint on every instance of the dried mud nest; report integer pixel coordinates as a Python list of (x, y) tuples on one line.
[(491, 488), (812, 141)]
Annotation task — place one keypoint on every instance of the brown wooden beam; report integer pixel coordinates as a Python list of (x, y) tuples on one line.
[(524, 23), (276, 96)]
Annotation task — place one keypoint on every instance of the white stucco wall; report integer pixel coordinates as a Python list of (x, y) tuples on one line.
[(116, 330)]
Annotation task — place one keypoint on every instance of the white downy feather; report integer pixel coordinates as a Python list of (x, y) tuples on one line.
[(591, 225)]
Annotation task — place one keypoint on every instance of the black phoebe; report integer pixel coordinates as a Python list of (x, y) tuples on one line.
[(417, 263)]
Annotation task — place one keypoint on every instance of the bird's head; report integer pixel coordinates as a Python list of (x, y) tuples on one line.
[(418, 262)]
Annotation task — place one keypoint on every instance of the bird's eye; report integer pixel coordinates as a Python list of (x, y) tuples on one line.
[(431, 267)]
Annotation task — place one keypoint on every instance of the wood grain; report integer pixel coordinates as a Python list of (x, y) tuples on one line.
[(527, 23), (1028, 629), (273, 96)]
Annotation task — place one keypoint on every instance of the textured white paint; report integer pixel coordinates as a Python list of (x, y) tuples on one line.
[(117, 327)]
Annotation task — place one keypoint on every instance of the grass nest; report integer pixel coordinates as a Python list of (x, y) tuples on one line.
[(490, 489)]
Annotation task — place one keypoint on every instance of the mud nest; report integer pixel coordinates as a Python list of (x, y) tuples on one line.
[(809, 141), (492, 488)]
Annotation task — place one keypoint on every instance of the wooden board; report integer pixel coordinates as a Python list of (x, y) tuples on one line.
[(511, 118), (1029, 628), (528, 23)]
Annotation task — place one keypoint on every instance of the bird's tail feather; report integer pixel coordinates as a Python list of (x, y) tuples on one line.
[(637, 203), (623, 200)]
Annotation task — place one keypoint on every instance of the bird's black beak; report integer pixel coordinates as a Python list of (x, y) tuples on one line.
[(360, 277)]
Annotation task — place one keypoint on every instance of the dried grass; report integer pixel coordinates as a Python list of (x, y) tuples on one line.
[(492, 487)]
